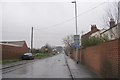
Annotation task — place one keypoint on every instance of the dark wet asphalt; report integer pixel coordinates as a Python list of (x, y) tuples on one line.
[(52, 67)]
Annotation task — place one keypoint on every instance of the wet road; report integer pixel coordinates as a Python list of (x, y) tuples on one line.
[(52, 67)]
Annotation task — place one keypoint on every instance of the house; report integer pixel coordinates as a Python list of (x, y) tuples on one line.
[(13, 49), (87, 35), (98, 33), (113, 32)]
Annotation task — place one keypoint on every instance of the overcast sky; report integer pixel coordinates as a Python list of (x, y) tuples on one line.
[(52, 20)]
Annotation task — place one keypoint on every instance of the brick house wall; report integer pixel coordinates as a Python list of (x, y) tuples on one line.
[(102, 59), (13, 52)]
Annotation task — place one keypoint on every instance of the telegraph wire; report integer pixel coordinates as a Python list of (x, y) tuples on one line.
[(73, 17), (91, 9)]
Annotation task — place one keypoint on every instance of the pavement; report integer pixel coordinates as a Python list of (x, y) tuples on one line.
[(79, 70)]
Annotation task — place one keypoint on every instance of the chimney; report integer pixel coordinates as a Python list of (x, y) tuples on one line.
[(112, 22), (93, 27)]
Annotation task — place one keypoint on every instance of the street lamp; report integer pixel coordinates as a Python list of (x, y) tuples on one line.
[(76, 37), (32, 40), (75, 15)]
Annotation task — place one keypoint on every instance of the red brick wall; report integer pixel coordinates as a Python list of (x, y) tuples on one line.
[(103, 59), (12, 52), (119, 58), (91, 58), (74, 55)]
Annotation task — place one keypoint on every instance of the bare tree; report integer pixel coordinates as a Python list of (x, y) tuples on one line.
[(111, 12), (69, 43)]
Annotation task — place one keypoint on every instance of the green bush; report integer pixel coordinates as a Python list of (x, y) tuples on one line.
[(92, 41), (41, 55)]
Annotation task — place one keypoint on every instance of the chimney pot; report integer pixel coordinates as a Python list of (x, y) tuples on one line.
[(93, 27), (112, 22)]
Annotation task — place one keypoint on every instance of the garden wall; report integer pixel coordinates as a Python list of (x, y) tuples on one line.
[(102, 59)]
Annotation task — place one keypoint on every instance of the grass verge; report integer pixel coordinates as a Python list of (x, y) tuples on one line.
[(10, 61), (41, 55)]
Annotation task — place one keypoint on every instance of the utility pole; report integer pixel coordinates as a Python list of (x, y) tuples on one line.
[(32, 40), (118, 19), (77, 36), (118, 12)]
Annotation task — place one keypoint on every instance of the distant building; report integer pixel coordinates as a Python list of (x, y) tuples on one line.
[(59, 48), (13, 49)]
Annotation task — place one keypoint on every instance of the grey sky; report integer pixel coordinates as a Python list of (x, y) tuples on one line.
[(19, 17)]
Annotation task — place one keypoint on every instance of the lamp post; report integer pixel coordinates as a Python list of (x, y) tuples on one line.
[(75, 15), (32, 40), (76, 31), (118, 12)]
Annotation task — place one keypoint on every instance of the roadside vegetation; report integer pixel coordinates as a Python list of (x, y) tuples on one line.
[(41, 55), (44, 52), (69, 44), (10, 61), (37, 56), (92, 41)]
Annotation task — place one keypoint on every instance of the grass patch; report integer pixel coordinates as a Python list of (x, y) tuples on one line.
[(10, 61), (41, 55)]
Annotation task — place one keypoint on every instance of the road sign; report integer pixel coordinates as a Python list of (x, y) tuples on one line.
[(77, 41), (77, 45)]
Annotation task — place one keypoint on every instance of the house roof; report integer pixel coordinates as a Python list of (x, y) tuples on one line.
[(93, 30), (98, 32), (13, 43), (111, 28)]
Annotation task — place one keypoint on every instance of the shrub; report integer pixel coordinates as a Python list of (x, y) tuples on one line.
[(92, 41), (41, 55)]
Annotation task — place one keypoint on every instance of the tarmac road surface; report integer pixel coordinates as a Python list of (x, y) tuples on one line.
[(52, 67)]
